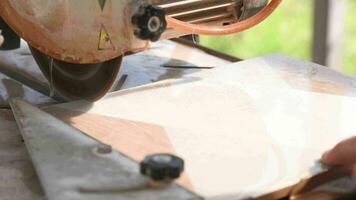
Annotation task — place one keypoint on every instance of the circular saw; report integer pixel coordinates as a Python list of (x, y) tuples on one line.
[(79, 44)]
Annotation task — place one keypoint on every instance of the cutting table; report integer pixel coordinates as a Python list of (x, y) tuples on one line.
[(245, 129)]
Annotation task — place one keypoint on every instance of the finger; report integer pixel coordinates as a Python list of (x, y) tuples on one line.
[(1, 38), (316, 196), (343, 153)]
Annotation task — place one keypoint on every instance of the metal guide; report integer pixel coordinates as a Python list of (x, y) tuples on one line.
[(71, 165)]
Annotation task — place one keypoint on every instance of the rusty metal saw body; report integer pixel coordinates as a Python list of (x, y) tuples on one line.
[(77, 37)]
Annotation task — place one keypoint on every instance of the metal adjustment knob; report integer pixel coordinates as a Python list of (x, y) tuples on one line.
[(162, 167), (150, 23)]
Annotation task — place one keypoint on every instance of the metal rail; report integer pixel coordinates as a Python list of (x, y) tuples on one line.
[(203, 11)]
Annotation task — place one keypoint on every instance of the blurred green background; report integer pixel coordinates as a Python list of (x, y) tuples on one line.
[(287, 31)]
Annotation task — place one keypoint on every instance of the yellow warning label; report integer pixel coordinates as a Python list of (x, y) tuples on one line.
[(105, 42)]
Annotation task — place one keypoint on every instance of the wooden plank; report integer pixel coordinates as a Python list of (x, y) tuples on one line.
[(250, 129), (329, 32)]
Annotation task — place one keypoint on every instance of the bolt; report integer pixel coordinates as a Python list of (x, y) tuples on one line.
[(154, 24), (103, 149)]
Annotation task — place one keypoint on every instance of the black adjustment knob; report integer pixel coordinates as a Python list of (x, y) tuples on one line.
[(150, 23), (11, 39), (162, 167)]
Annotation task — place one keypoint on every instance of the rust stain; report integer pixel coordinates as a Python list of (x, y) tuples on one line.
[(55, 21), (27, 8)]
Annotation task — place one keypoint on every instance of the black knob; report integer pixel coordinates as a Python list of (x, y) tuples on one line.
[(11, 39), (162, 167), (150, 23)]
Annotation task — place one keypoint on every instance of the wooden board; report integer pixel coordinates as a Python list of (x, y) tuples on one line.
[(245, 130)]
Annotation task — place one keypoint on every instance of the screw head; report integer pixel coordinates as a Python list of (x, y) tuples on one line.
[(162, 167), (103, 149)]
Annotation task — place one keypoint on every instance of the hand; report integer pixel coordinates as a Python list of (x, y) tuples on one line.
[(343, 154)]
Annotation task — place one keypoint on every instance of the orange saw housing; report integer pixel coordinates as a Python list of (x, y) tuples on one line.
[(87, 33)]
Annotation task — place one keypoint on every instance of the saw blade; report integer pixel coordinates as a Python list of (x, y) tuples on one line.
[(78, 81)]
